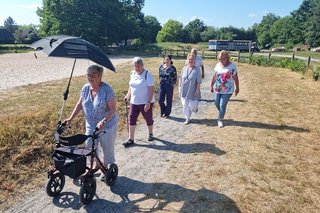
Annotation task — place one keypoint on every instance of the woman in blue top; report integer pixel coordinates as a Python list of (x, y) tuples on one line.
[(98, 102), (168, 78)]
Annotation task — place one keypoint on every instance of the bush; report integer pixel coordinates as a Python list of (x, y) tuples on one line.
[(316, 73)]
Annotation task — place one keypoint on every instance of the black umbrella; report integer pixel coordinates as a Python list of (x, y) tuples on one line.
[(72, 47)]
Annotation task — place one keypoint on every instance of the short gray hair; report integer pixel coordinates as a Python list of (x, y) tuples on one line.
[(137, 60), (95, 67)]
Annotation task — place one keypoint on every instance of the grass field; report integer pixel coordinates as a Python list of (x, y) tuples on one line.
[(272, 143)]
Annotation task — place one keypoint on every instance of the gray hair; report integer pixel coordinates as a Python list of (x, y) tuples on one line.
[(95, 67), (137, 60)]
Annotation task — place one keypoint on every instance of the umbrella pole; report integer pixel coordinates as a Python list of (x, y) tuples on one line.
[(66, 93)]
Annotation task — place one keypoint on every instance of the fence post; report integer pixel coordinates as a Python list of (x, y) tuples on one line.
[(216, 54), (203, 54), (269, 56), (309, 60), (177, 53), (184, 53), (238, 60), (292, 57)]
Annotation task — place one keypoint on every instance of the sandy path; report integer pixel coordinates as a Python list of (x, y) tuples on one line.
[(21, 69)]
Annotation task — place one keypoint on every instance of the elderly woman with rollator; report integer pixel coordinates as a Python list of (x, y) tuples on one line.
[(98, 102), (141, 95)]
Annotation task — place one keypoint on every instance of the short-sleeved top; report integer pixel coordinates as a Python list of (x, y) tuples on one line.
[(96, 109), (224, 78), (198, 62), (168, 76), (190, 78), (139, 87)]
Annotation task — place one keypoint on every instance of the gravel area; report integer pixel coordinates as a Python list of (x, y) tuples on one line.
[(19, 69)]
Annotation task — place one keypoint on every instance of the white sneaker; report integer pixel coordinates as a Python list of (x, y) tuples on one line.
[(187, 121), (102, 177), (220, 124)]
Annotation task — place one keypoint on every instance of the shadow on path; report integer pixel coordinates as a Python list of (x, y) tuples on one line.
[(138, 196), (184, 148), (253, 124)]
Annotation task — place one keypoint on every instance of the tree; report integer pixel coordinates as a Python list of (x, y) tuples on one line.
[(281, 31), (26, 34), (209, 33), (151, 28), (10, 25), (193, 31), (99, 21), (263, 29), (171, 31), (300, 20)]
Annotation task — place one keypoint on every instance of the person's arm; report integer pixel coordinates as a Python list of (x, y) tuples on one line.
[(213, 81), (198, 81), (75, 112), (112, 105), (202, 71), (236, 81), (127, 96), (175, 75), (150, 97)]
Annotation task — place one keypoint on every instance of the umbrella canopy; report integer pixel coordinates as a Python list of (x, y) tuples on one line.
[(72, 47)]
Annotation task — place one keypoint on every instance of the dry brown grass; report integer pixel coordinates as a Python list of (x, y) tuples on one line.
[(266, 159), (271, 144)]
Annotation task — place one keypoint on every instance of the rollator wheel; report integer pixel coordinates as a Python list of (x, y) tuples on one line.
[(55, 184), (112, 174), (87, 190)]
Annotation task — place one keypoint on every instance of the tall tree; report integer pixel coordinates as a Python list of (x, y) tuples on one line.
[(99, 21), (151, 28), (281, 31), (263, 29), (171, 31), (209, 33), (10, 25), (193, 31)]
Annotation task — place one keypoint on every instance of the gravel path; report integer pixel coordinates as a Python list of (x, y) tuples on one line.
[(21, 69)]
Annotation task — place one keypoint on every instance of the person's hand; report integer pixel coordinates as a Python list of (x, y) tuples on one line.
[(236, 92), (147, 107), (211, 90), (202, 75), (67, 121), (101, 124), (126, 98)]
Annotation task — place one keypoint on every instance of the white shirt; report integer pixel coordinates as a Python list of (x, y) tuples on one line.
[(139, 87)]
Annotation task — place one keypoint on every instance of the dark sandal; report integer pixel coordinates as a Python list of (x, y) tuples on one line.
[(128, 143), (150, 138)]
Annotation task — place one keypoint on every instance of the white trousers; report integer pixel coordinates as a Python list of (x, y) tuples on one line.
[(107, 142), (189, 106)]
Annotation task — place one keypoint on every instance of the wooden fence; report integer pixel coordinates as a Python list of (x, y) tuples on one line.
[(239, 55)]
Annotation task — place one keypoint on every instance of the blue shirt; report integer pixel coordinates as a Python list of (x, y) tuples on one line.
[(168, 76), (96, 109)]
